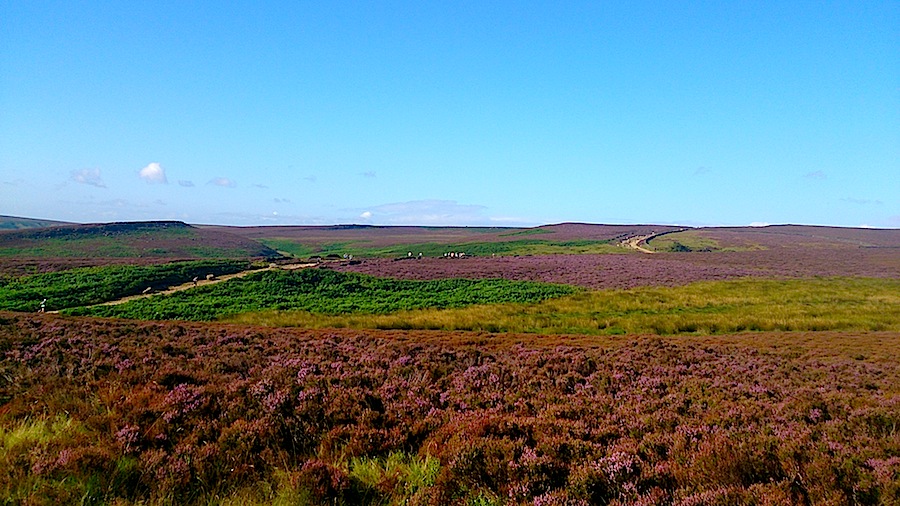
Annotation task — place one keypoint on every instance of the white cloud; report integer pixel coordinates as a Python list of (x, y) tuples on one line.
[(223, 182), (185, 183), (89, 177), (760, 224), (153, 173), (366, 215)]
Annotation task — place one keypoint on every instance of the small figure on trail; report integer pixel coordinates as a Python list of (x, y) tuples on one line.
[(43, 305), (195, 280), (409, 254), (420, 254), (210, 277)]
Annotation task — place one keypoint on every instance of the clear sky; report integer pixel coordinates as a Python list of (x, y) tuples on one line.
[(451, 113)]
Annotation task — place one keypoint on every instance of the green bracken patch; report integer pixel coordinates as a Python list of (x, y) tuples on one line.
[(95, 285), (324, 291)]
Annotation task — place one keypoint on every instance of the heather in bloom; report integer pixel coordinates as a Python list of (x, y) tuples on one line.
[(165, 413)]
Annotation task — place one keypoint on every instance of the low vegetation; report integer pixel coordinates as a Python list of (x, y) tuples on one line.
[(95, 285), (454, 387), (326, 292), (701, 308), (114, 412)]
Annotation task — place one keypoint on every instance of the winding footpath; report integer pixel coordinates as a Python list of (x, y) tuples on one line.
[(199, 283), (637, 241)]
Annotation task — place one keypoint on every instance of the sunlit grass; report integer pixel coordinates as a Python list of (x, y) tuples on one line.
[(397, 476), (700, 308), (692, 240), (32, 432)]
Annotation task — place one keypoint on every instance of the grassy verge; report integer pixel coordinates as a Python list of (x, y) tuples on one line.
[(700, 308)]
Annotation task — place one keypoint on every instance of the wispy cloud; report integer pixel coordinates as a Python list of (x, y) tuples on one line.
[(89, 177), (281, 201), (224, 182), (261, 186), (185, 183), (861, 202), (369, 173), (262, 219), (311, 179), (817, 174), (153, 173), (426, 212), (699, 171)]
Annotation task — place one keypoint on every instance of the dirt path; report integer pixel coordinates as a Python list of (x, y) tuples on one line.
[(200, 282), (637, 241)]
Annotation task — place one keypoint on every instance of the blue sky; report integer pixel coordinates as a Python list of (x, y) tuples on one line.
[(451, 113)]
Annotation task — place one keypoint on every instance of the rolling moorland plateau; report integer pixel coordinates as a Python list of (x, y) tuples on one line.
[(160, 363)]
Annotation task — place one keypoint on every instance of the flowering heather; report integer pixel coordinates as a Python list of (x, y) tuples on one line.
[(203, 413)]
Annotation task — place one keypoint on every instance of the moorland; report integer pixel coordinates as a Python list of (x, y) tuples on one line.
[(165, 363)]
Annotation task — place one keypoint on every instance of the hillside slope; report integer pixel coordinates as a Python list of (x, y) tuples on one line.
[(17, 223), (129, 242)]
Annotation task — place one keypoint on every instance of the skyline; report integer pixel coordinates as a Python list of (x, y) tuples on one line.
[(397, 113)]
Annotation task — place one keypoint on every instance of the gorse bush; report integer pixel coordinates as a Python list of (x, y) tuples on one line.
[(327, 292), (94, 285)]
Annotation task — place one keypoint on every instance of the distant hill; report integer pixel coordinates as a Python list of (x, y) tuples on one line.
[(152, 239), (777, 237), (16, 223)]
